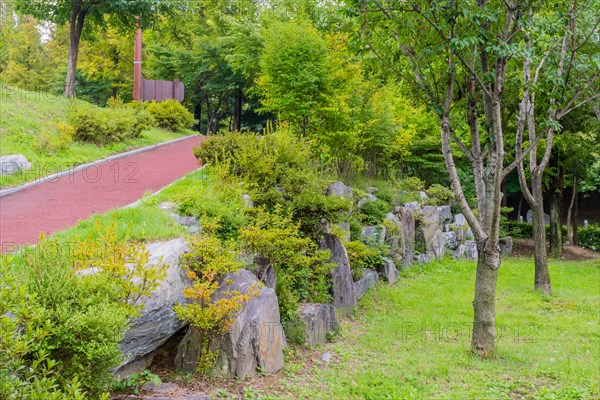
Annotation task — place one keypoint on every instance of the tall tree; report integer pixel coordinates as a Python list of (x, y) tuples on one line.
[(76, 12), (456, 55), (560, 65)]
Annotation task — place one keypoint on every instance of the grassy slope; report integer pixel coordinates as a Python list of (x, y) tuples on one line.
[(28, 120), (411, 340)]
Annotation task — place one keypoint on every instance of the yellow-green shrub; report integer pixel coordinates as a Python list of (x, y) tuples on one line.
[(171, 115), (208, 261)]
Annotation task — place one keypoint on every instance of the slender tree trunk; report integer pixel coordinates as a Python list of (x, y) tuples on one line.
[(236, 124), (542, 275), (575, 218), (198, 115), (520, 208), (556, 204), (570, 211), (484, 303), (75, 29)]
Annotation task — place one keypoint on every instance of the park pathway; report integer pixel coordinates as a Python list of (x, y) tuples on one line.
[(61, 202)]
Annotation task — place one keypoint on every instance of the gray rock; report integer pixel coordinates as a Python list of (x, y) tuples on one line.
[(468, 250), (388, 271), (14, 163), (158, 321), (374, 234), (318, 319), (432, 232), (506, 246), (423, 196), (344, 295), (265, 272), (445, 215), (424, 258), (255, 340), (407, 234), (326, 357), (366, 199), (369, 280), (340, 190), (345, 227), (371, 189), (168, 206), (190, 223), (413, 205), (459, 219), (247, 200), (529, 217), (393, 238), (451, 240)]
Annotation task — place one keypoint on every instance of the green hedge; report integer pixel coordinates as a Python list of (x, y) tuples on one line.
[(105, 125), (171, 115), (589, 237)]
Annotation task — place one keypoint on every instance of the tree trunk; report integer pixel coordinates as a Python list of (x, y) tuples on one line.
[(542, 275), (575, 218), (570, 211), (556, 204), (198, 115), (484, 302), (75, 29), (236, 124)]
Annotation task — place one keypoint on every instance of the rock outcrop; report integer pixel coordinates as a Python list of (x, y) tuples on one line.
[(157, 322), (319, 320), (368, 280), (344, 295)]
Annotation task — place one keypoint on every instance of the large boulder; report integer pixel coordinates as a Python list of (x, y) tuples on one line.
[(451, 240), (431, 227), (368, 280), (392, 237), (158, 321), (374, 234), (407, 234), (388, 271), (318, 319), (364, 200), (255, 340), (506, 246), (344, 295), (265, 271), (445, 215), (468, 250), (340, 190), (14, 163)]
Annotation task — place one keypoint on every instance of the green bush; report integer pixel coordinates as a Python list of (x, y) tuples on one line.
[(84, 315), (355, 229), (25, 371), (106, 125), (439, 195), (362, 256), (517, 230), (374, 212), (589, 237), (171, 115)]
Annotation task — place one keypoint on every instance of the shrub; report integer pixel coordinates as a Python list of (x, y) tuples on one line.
[(355, 229), (24, 371), (374, 212), (362, 256), (302, 269), (439, 195), (207, 263), (105, 125), (518, 230), (86, 294), (589, 237), (171, 115)]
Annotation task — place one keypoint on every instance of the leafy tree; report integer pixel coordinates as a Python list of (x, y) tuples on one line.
[(76, 12)]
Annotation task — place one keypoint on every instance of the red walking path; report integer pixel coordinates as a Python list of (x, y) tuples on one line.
[(61, 202)]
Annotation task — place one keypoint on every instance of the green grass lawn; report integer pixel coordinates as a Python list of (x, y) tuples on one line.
[(28, 125), (411, 341)]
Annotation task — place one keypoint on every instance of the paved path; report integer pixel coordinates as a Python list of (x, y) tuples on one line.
[(57, 204)]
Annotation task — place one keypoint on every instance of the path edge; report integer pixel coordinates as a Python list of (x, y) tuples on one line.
[(9, 191)]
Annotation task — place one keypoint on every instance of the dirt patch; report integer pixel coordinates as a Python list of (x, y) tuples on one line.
[(524, 248)]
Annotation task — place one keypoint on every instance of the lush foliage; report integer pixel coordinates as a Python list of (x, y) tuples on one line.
[(589, 237), (207, 263), (362, 256), (84, 293), (105, 125), (171, 115)]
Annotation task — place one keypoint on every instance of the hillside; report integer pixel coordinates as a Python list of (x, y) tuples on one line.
[(30, 123)]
